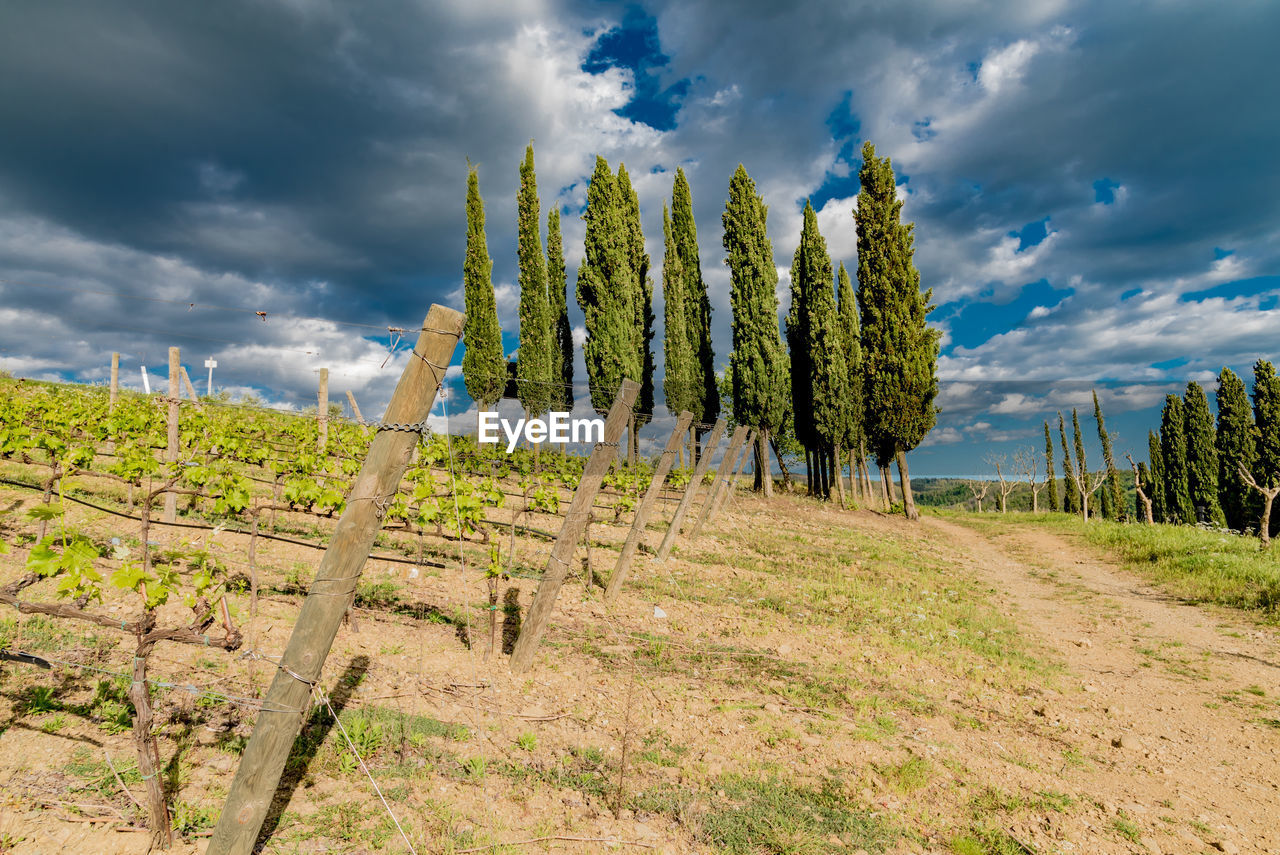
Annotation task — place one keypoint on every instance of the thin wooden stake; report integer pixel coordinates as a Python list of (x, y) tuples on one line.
[(699, 472), (322, 411), (191, 390), (171, 452), (355, 408), (575, 520), (287, 701), (722, 477), (723, 495), (115, 381), (674, 443)]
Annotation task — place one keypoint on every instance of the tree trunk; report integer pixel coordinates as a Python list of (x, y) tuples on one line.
[(908, 501), (885, 497), (786, 473), (836, 458), (764, 474), (1264, 526)]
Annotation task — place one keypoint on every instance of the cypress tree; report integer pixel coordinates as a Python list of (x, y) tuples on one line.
[(800, 348), (1266, 416), (607, 292), (676, 354), (1237, 446), (1113, 497), (1082, 466), (643, 299), (1155, 476), (705, 400), (1050, 478), (562, 332), (813, 330), (1202, 458), (758, 361), (1070, 496), (533, 360), (851, 338), (484, 367), (899, 348), (1173, 454)]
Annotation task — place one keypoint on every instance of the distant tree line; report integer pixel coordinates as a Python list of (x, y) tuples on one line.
[(856, 375)]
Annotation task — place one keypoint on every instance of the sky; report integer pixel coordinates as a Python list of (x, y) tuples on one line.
[(1092, 185)]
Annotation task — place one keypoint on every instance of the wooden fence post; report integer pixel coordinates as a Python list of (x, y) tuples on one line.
[(722, 476), (732, 481), (286, 704), (191, 390), (355, 408), (115, 381), (575, 520), (322, 411), (171, 452), (646, 506), (699, 471)]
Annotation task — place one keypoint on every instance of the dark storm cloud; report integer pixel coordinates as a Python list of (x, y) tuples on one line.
[(309, 158)]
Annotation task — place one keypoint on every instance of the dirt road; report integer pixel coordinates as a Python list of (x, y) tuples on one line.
[(1179, 700)]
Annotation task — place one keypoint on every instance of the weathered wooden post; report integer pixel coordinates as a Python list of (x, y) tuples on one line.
[(646, 506), (191, 390), (722, 476), (322, 411), (171, 451), (575, 520), (732, 481), (115, 381), (286, 703), (699, 472), (355, 408)]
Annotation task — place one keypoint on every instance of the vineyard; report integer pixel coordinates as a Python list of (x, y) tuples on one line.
[(153, 542)]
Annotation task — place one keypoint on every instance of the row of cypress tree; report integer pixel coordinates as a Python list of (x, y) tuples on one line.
[(1225, 474), (1079, 485), (857, 374)]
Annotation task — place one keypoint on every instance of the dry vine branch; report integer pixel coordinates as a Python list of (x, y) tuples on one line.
[(1268, 497)]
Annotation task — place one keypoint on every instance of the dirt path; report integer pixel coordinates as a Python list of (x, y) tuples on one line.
[(1180, 700)]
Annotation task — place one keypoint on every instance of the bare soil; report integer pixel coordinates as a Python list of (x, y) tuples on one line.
[(951, 685)]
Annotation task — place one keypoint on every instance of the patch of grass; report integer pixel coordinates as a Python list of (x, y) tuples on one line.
[(777, 817), (908, 776), (1126, 829), (984, 839), (527, 741), (1195, 564)]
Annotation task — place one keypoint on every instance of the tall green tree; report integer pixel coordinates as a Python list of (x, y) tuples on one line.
[(851, 337), (562, 332), (1266, 416), (1082, 465), (1051, 479), (1236, 442), (1070, 495), (758, 360), (607, 292), (705, 401), (533, 361), (1114, 506), (1173, 454), (484, 366), (639, 260), (800, 348), (900, 349), (1155, 474), (814, 336), (677, 355), (1202, 457)]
